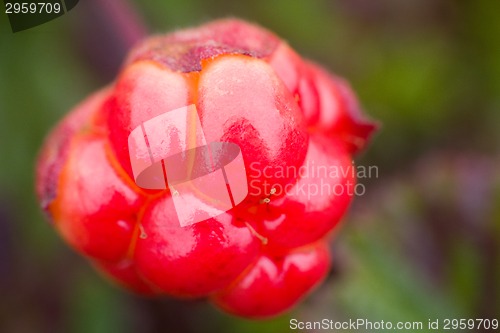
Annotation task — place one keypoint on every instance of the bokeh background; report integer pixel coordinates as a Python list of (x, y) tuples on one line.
[(422, 243)]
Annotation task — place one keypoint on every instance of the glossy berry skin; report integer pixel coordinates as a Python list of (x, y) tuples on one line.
[(250, 88)]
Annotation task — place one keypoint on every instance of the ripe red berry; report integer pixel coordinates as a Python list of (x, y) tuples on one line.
[(286, 116)]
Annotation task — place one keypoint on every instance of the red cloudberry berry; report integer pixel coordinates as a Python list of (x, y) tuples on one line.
[(286, 115)]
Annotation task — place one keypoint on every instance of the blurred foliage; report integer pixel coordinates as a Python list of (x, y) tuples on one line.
[(423, 243)]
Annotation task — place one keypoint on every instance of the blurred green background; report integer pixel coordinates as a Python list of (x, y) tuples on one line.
[(422, 243)]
